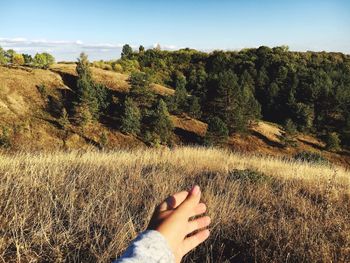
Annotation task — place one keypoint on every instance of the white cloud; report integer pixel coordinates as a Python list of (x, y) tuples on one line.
[(69, 50)]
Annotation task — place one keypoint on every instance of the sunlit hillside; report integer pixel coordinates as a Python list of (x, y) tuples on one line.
[(86, 206)]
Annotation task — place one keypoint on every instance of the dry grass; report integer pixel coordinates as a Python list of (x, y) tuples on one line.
[(113, 80), (87, 206)]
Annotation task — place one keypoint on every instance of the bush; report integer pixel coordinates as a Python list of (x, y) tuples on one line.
[(18, 59), (310, 157), (43, 91), (118, 68)]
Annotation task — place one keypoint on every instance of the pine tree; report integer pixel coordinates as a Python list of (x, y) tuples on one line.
[(180, 96), (217, 131), (86, 92), (290, 132), (233, 104), (332, 142), (162, 124), (131, 118), (194, 108), (126, 52), (140, 90), (64, 119)]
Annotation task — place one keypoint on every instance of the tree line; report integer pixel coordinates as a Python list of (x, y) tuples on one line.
[(40, 60)]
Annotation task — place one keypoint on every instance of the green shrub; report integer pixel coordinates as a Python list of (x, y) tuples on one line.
[(42, 90), (118, 68)]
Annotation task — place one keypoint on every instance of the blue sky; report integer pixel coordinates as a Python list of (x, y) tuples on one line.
[(101, 27)]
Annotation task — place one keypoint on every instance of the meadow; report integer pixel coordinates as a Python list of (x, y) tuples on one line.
[(86, 206)]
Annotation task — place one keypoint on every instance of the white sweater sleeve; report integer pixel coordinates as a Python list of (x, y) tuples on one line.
[(151, 247)]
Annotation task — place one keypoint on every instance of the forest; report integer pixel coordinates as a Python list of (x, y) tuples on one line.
[(305, 92)]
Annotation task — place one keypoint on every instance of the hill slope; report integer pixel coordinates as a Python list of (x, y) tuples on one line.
[(28, 114)]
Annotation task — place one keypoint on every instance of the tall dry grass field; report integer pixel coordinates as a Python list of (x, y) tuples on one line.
[(86, 207)]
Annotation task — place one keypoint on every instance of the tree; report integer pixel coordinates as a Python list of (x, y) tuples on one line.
[(126, 52), (180, 96), (64, 119), (28, 59), (290, 132), (233, 104), (3, 57), (162, 124), (217, 131), (43, 60), (141, 49), (140, 90), (303, 115), (87, 105), (131, 117), (332, 142), (9, 55), (194, 108), (18, 59)]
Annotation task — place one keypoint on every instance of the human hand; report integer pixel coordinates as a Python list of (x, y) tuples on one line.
[(172, 219)]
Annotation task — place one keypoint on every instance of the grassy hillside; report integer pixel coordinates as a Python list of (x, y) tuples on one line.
[(87, 206), (30, 117)]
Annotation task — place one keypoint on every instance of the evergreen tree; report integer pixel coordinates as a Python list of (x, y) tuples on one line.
[(64, 119), (127, 52), (234, 105), (332, 142), (28, 60), (217, 131), (140, 90), (194, 108), (141, 49), (86, 92), (290, 132), (180, 96), (162, 124), (131, 118)]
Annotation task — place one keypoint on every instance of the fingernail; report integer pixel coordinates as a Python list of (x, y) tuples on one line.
[(195, 190)]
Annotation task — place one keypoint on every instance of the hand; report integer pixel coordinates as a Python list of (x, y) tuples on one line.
[(172, 219)]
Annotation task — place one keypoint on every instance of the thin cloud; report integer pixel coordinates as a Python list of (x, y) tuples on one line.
[(69, 50)]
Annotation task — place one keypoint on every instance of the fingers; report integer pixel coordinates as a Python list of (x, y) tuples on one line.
[(173, 201), (200, 209), (191, 201), (198, 224), (193, 241)]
